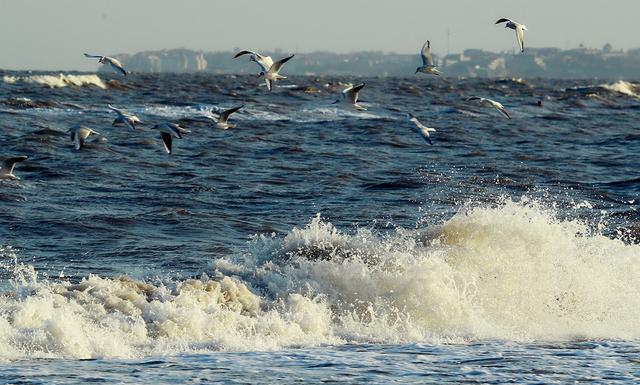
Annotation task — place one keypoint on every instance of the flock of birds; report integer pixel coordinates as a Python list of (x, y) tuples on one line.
[(270, 71)]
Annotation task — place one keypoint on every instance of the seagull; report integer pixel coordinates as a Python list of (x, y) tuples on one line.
[(350, 97), (125, 118), (265, 62), (491, 103), (114, 63), (427, 61), (424, 130), (168, 130), (271, 75), (224, 117), (79, 134), (519, 28), (6, 172)]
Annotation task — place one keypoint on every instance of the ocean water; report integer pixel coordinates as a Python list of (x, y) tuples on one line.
[(313, 244)]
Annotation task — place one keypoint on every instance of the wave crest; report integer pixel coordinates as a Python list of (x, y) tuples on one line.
[(513, 271), (59, 81), (623, 87)]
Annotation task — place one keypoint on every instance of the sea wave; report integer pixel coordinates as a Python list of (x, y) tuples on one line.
[(510, 271), (62, 80), (623, 87)]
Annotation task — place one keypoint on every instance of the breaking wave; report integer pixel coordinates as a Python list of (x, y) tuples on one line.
[(59, 81), (513, 271), (622, 87)]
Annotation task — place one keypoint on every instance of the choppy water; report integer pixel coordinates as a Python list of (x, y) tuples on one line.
[(315, 244)]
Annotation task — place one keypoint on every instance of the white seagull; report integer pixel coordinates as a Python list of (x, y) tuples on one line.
[(113, 62), (79, 135), (350, 97), (222, 121), (265, 62), (427, 61), (6, 172), (125, 118), (424, 130), (492, 104), (271, 75), (169, 130), (519, 28)]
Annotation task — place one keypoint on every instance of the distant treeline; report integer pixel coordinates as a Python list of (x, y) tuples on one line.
[(535, 62)]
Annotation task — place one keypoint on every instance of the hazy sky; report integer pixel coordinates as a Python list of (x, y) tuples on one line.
[(53, 34)]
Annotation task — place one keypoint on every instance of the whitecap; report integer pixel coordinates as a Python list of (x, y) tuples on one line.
[(62, 80)]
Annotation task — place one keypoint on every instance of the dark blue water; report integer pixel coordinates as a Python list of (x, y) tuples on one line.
[(556, 186)]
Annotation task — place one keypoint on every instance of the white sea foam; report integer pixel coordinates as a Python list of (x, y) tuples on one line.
[(510, 272), (266, 112), (623, 87), (59, 81)]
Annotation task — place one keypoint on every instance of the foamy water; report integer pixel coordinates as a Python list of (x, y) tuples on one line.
[(623, 87), (59, 81), (509, 272)]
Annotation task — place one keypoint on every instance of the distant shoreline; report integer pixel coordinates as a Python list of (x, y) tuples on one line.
[(345, 77), (578, 63)]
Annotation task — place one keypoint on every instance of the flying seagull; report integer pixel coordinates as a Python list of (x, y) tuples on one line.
[(424, 130), (6, 172), (519, 28), (350, 97), (80, 134), (427, 61), (114, 63), (271, 75), (169, 130), (125, 118), (224, 117), (265, 62), (491, 103)]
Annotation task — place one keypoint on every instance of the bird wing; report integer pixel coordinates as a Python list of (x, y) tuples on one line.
[(166, 141), (425, 53), (351, 93), (425, 136), (418, 123), (79, 139), (117, 121), (245, 52), (132, 122), (94, 56), (117, 66), (275, 67), (178, 129), (9, 164), (269, 84), (174, 130), (503, 20), (498, 106), (502, 109), (117, 110), (265, 62), (224, 116), (424, 129), (520, 36)]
